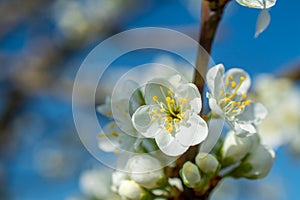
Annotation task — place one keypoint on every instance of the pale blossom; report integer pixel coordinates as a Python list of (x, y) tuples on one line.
[(95, 183), (228, 99), (264, 17), (130, 190), (260, 160), (235, 148), (145, 170), (171, 115), (282, 99), (120, 134)]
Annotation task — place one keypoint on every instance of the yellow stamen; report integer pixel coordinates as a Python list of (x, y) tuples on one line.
[(233, 103), (234, 111), (247, 102), (170, 92), (116, 151), (154, 112), (115, 134), (169, 119), (221, 92), (233, 84), (227, 83), (168, 99), (154, 98), (226, 99), (162, 110), (153, 119), (244, 96), (242, 78), (230, 78)]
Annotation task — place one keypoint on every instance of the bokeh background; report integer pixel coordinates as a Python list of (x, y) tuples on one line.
[(43, 43)]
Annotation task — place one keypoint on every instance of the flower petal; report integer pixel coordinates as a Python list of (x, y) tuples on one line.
[(236, 74), (194, 132), (158, 88), (215, 107), (143, 123), (214, 78), (257, 3), (169, 145), (190, 92), (253, 113), (263, 21), (105, 109)]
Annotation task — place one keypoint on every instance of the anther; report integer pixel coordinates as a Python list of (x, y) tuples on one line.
[(115, 134), (233, 84)]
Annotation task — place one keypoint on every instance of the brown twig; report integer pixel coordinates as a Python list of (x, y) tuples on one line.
[(211, 14)]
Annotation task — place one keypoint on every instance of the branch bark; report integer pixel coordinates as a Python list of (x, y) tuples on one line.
[(211, 14)]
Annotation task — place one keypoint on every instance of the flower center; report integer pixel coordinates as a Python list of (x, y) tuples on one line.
[(171, 112), (230, 102)]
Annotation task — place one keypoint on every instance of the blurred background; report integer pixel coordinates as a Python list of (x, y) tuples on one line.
[(42, 45)]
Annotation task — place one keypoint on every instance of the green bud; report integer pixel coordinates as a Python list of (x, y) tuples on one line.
[(145, 196), (190, 174), (207, 162)]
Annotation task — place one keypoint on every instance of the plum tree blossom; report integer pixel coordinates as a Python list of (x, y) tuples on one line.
[(171, 115), (228, 99), (264, 17)]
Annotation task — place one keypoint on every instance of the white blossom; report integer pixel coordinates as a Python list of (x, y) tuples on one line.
[(236, 148), (145, 170), (228, 99), (264, 17), (261, 160), (95, 183), (120, 134), (261, 4), (171, 115), (282, 99), (130, 190)]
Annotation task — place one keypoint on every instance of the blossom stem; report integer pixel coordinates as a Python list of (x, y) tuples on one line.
[(211, 14)]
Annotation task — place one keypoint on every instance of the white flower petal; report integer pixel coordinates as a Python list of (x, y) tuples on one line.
[(253, 113), (195, 132), (215, 107), (191, 93), (236, 74), (243, 129), (263, 21), (257, 3), (157, 87), (214, 78), (122, 116), (106, 145), (169, 145), (143, 123), (105, 109)]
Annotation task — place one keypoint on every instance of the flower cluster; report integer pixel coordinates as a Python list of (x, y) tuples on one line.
[(165, 113)]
